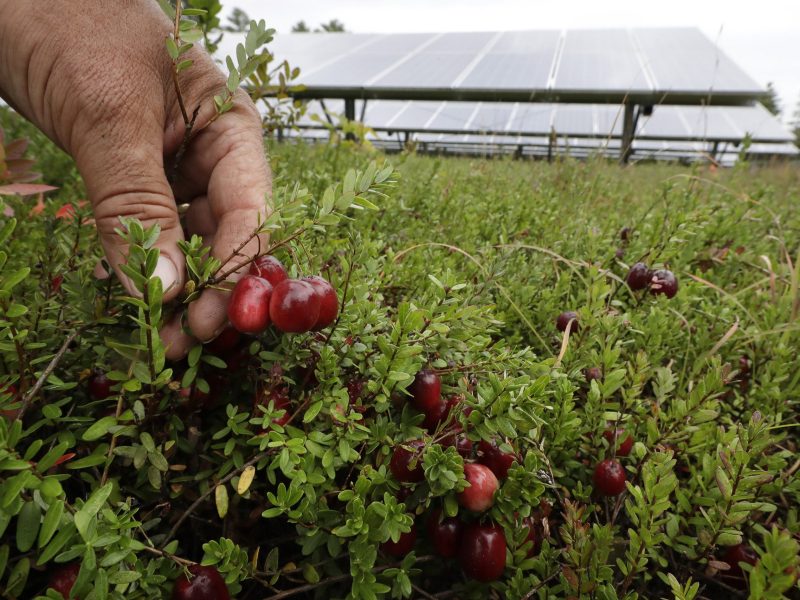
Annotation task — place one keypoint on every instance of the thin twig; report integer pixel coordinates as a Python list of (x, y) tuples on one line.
[(48, 371)]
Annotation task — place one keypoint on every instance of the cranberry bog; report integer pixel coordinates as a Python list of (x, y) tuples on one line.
[(623, 441)]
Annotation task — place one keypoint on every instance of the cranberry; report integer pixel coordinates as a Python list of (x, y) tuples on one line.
[(99, 386), (664, 282), (738, 554), (435, 416), (402, 457), (462, 443), (624, 447), (445, 533), (279, 397), (593, 374), (639, 276), (206, 584), (609, 477), (402, 546), (270, 268), (225, 343), (328, 302), (63, 578), (248, 307), (564, 319), (624, 233), (426, 391), (294, 306), (482, 552), (55, 283), (499, 462), (479, 495)]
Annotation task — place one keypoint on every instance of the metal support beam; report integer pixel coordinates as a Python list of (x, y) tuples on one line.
[(350, 115), (628, 132), (363, 110)]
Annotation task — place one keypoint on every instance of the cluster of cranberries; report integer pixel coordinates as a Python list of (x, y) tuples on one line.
[(479, 546), (660, 281), (266, 295), (205, 583)]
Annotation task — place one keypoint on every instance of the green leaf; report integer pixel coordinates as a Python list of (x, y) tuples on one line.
[(221, 500), (18, 578), (52, 519), (99, 429), (28, 526), (172, 48)]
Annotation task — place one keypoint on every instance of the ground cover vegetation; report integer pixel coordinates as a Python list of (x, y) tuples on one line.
[(444, 378)]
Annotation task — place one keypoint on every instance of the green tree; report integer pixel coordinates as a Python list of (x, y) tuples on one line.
[(795, 124), (238, 21), (300, 27), (334, 25), (771, 101)]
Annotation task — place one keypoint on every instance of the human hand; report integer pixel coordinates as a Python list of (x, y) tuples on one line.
[(96, 78)]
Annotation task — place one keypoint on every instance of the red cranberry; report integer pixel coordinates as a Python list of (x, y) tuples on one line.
[(99, 386), (593, 374), (206, 584), (294, 306), (270, 268), (279, 397), (402, 546), (499, 462), (664, 282), (639, 276), (624, 233), (248, 307), (225, 343), (462, 443), (328, 302), (402, 457), (55, 283), (63, 578), (624, 447), (426, 391), (482, 553), (479, 495), (445, 533), (435, 416), (609, 477), (740, 553), (565, 318)]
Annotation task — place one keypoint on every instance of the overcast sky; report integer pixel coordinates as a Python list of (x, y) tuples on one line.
[(763, 37)]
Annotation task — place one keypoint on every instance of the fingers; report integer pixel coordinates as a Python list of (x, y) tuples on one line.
[(177, 342), (121, 162), (231, 151)]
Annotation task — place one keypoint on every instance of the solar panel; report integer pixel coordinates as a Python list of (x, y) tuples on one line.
[(678, 66)]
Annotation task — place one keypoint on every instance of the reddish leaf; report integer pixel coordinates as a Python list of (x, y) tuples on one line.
[(24, 189)]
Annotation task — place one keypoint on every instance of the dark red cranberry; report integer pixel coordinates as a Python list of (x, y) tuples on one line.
[(482, 552), (55, 283), (270, 268), (499, 462), (402, 458), (624, 447), (639, 276), (534, 536), (624, 233), (225, 343), (444, 533), (565, 318), (462, 443), (435, 416), (206, 584), (63, 578), (593, 374), (328, 301), (402, 546), (100, 386), (740, 553), (426, 391), (294, 306), (609, 477), (279, 397), (664, 282), (248, 306)]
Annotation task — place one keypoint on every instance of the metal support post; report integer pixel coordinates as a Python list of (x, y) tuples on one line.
[(628, 130), (350, 115)]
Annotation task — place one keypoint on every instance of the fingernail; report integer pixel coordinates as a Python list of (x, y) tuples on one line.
[(166, 272)]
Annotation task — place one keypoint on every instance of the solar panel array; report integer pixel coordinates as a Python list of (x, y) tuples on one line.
[(644, 65), (512, 90)]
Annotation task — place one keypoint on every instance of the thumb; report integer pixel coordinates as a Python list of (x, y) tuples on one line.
[(127, 179)]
